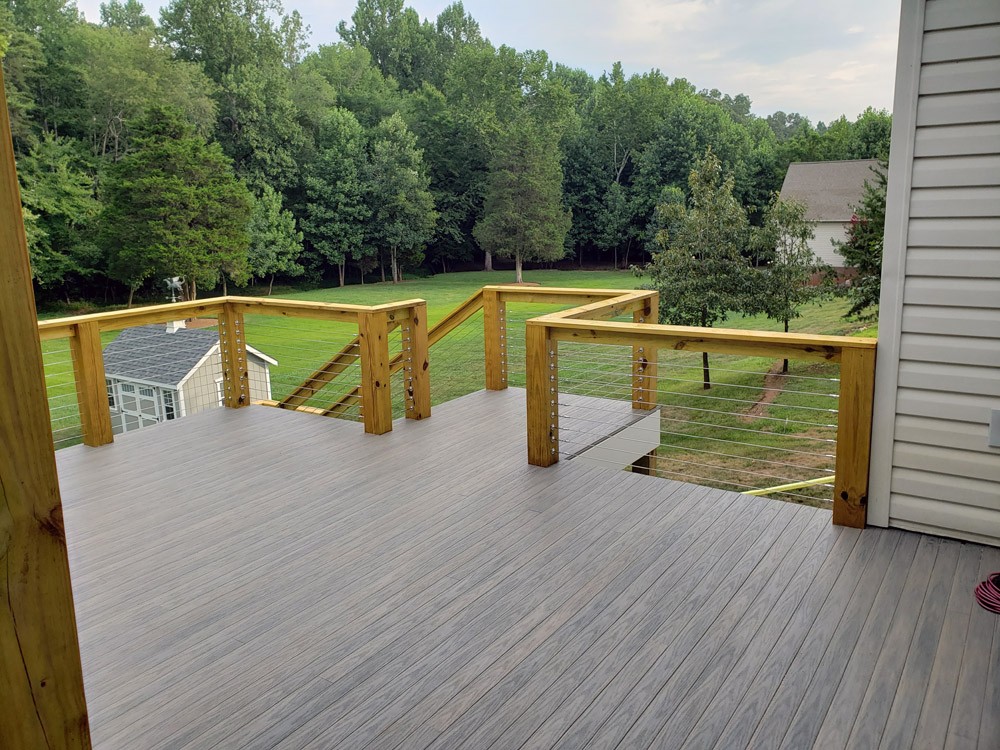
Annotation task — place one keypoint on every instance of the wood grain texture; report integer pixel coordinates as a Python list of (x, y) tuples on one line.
[(494, 338), (376, 399), (41, 681), (645, 359), (233, 350), (290, 595), (854, 437), (541, 378), (417, 373), (91, 389)]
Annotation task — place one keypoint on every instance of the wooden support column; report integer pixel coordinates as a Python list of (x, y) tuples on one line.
[(233, 348), (91, 388), (645, 464), (41, 679), (854, 437), (542, 395), (417, 383), (644, 359), (376, 400), (495, 339)]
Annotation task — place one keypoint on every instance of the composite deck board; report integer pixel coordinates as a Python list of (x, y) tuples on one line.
[(260, 578)]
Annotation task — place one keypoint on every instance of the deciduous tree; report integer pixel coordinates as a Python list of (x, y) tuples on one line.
[(275, 243), (403, 214), (789, 265), (700, 271)]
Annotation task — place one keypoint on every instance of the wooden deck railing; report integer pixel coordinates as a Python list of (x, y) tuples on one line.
[(588, 324), (374, 324)]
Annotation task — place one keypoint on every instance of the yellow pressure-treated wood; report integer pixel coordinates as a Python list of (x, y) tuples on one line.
[(140, 316), (854, 437), (542, 389), (376, 403), (455, 318), (416, 377), (719, 340), (494, 315), (644, 358), (233, 348), (42, 704), (91, 389)]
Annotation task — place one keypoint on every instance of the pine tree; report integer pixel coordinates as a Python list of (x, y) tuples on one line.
[(523, 215), (173, 207), (862, 250)]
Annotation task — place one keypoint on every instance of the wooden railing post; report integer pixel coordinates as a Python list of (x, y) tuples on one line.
[(376, 399), (233, 349), (91, 387), (645, 359), (416, 370), (495, 339), (41, 678), (542, 380), (854, 437)]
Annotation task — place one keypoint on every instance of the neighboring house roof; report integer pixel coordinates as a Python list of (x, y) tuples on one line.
[(829, 189), (154, 355)]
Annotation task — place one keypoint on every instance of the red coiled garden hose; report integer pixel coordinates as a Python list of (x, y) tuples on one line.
[(988, 593)]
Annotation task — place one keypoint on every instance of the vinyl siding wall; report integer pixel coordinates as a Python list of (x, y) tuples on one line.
[(939, 360), (825, 232)]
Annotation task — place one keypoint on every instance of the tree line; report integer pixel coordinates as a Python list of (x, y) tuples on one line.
[(213, 144)]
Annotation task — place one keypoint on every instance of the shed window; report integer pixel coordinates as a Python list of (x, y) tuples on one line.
[(168, 405), (112, 402)]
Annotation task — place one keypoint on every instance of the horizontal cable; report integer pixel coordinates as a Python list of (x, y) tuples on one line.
[(675, 446)]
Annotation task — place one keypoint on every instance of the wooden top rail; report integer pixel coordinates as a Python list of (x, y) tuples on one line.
[(396, 311), (692, 338), (623, 304), (60, 328), (118, 319), (455, 318), (553, 295)]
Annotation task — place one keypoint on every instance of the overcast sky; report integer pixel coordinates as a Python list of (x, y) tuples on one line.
[(821, 58)]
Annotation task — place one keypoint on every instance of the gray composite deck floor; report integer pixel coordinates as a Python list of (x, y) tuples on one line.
[(261, 578)]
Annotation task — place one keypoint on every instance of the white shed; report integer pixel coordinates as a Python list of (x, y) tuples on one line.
[(935, 468), (830, 190), (157, 373)]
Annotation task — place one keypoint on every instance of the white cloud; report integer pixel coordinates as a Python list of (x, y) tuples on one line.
[(809, 57)]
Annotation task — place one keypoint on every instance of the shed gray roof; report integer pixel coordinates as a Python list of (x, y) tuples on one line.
[(828, 188), (152, 354)]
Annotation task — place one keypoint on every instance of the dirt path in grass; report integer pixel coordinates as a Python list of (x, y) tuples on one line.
[(774, 382)]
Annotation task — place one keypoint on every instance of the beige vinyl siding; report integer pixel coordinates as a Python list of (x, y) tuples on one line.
[(944, 375), (201, 391)]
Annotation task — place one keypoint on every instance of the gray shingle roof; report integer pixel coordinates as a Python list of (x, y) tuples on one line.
[(152, 354), (828, 188)]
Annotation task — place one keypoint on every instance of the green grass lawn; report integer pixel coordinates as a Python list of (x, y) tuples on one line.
[(731, 436)]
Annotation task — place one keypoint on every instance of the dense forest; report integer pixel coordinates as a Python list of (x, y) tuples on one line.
[(216, 145)]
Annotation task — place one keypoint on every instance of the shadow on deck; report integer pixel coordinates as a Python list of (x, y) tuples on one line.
[(261, 578)]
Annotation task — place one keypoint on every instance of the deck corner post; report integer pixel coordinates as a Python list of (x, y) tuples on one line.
[(233, 349), (376, 398), (542, 375), (43, 702), (495, 339), (91, 386), (416, 369), (854, 437), (645, 358)]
